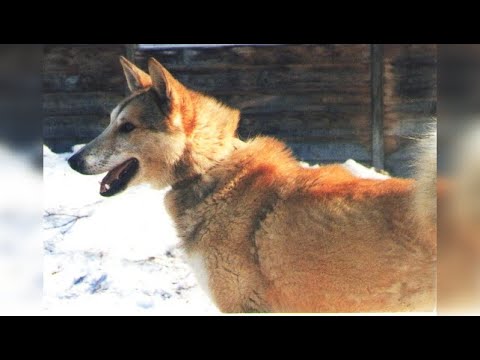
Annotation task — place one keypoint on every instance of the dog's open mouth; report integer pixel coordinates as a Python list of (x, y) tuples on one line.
[(117, 179)]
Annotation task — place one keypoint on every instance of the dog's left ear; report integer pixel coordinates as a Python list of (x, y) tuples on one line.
[(163, 82), (136, 78)]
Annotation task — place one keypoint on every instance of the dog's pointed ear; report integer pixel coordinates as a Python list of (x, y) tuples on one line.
[(136, 78), (163, 82)]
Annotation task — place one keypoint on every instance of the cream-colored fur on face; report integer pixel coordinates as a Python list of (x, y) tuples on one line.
[(265, 234), (153, 149)]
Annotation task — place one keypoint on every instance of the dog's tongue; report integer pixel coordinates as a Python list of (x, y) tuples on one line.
[(114, 176)]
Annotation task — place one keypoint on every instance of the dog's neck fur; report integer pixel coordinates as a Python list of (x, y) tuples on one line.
[(211, 137)]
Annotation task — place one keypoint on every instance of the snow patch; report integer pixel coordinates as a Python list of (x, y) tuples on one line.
[(363, 172)]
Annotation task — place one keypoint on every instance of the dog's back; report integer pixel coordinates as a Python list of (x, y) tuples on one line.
[(274, 236)]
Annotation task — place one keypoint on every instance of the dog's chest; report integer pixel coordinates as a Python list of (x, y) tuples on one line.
[(199, 268)]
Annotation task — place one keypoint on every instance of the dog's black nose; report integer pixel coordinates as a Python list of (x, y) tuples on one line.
[(76, 162)]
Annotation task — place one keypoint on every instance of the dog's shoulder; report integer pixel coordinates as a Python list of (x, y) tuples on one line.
[(262, 162), (265, 150)]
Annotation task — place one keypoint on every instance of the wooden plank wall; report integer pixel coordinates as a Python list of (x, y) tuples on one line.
[(307, 95), (81, 85), (315, 97)]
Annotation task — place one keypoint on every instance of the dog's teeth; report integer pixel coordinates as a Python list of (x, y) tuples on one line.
[(107, 186)]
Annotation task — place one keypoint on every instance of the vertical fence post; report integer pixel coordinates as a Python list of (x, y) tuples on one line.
[(376, 73)]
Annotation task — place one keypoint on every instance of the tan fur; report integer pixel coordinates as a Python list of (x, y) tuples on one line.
[(273, 236), (277, 237)]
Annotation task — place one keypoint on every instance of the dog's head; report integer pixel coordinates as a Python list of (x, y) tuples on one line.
[(159, 134)]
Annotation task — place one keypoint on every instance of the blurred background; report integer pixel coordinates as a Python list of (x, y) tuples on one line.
[(20, 179), (459, 179)]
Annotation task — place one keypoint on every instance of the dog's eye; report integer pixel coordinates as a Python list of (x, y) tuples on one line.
[(127, 127)]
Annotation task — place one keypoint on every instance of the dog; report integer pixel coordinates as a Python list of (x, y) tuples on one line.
[(262, 233)]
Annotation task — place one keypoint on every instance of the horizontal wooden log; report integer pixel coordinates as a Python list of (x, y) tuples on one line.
[(259, 55), (330, 151), (86, 103), (301, 126), (417, 106), (260, 103), (103, 103), (224, 67), (93, 59), (80, 126), (409, 52), (280, 79), (293, 79), (333, 117), (300, 134), (83, 82)]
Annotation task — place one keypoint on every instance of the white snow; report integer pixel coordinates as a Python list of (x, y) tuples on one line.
[(362, 172), (116, 255)]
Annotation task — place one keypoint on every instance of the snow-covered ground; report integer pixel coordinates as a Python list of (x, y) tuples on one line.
[(111, 255), (116, 255)]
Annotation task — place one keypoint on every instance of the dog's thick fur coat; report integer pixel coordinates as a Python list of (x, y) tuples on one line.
[(263, 233)]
